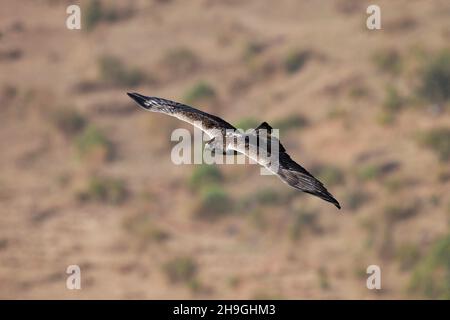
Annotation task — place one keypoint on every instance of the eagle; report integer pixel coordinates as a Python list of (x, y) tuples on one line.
[(289, 171)]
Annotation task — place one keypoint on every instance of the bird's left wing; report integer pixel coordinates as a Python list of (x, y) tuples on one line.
[(289, 171)]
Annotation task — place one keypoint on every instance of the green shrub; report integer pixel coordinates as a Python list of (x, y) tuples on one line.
[(205, 175), (337, 112), (252, 49), (435, 85), (295, 60), (303, 219), (392, 102), (400, 211), (370, 226), (91, 141), (201, 90), (92, 14), (291, 122), (69, 121), (432, 274), (143, 227), (408, 256), (330, 175), (247, 123), (267, 196), (438, 140), (258, 218), (181, 269), (263, 295), (113, 15), (323, 278), (10, 92), (385, 118), (369, 172), (181, 60), (394, 184), (388, 61), (214, 202), (233, 281), (355, 199), (359, 91), (114, 72), (104, 189)]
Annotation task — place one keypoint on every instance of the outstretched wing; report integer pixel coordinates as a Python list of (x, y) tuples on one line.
[(288, 171), (298, 177), (208, 123)]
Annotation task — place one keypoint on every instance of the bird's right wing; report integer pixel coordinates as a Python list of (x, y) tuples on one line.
[(208, 123)]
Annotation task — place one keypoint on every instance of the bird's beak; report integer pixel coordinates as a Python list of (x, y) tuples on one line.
[(140, 99)]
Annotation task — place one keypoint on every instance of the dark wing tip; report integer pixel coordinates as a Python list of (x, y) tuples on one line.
[(321, 192), (336, 203), (139, 98), (296, 176)]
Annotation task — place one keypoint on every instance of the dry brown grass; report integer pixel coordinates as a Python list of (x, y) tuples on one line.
[(310, 68)]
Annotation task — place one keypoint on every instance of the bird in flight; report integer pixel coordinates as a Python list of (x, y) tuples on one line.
[(289, 171)]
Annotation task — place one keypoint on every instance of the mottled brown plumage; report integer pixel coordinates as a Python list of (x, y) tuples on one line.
[(218, 129)]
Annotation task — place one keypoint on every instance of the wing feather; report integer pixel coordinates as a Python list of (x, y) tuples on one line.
[(291, 173), (208, 123), (298, 177)]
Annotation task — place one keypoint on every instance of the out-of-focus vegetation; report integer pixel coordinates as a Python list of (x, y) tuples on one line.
[(205, 175), (246, 123), (303, 220), (253, 49), (295, 121), (87, 175), (295, 60), (95, 12), (369, 172), (181, 269), (438, 140), (68, 120), (93, 142), (431, 275), (104, 189), (389, 61), (330, 175), (181, 60), (354, 199), (435, 85), (144, 228), (200, 91), (214, 202), (113, 71), (408, 255), (267, 196)]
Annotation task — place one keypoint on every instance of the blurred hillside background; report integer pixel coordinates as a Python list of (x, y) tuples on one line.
[(86, 176)]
